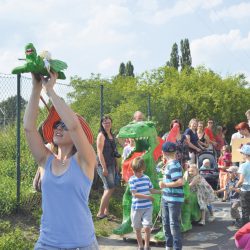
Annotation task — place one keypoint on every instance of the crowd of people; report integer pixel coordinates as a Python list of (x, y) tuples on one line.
[(67, 171)]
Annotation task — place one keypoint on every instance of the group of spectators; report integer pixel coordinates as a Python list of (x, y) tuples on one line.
[(196, 139)]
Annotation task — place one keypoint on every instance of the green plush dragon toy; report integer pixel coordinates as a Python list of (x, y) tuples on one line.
[(40, 64), (146, 142)]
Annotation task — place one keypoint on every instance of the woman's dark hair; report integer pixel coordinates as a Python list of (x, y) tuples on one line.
[(101, 129), (175, 121)]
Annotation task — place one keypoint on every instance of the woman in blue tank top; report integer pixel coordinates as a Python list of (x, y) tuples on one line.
[(67, 176)]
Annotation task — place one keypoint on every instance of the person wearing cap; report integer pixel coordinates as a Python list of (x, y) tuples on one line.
[(173, 196), (233, 193), (244, 183), (67, 175)]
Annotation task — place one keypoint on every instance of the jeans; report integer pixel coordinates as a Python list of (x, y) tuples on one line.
[(171, 213), (245, 206)]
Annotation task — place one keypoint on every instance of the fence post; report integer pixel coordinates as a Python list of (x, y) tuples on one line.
[(101, 101), (18, 115), (149, 108)]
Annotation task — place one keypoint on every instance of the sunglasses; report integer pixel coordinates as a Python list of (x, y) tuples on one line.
[(60, 123)]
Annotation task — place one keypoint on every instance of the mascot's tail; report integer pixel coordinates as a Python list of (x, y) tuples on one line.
[(173, 133), (58, 65)]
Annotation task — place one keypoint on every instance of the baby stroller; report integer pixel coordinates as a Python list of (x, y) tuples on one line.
[(211, 174)]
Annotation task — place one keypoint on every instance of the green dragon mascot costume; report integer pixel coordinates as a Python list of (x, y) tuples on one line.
[(145, 136), (40, 64), (147, 145)]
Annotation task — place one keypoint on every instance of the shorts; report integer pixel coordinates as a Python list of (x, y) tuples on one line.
[(141, 217), (108, 181), (42, 246)]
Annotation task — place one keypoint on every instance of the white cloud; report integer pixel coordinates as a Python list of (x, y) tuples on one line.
[(159, 14), (107, 64), (221, 51), (238, 11)]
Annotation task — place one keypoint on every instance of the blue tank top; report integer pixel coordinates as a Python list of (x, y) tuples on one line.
[(66, 220)]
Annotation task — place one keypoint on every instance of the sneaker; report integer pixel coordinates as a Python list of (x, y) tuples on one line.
[(202, 223), (211, 218), (169, 248)]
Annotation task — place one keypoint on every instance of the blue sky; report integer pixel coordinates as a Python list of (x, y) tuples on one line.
[(95, 36)]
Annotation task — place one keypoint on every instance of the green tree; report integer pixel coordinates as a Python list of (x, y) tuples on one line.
[(122, 69), (8, 109), (174, 57), (129, 69), (186, 59)]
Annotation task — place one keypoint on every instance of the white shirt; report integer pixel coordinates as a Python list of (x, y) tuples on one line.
[(236, 135)]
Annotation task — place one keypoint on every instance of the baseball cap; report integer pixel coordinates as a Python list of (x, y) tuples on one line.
[(169, 147), (245, 149), (232, 169)]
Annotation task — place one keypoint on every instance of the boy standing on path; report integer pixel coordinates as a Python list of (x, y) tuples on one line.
[(142, 209), (244, 184), (172, 197)]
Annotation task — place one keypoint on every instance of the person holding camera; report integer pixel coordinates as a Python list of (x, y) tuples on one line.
[(107, 167)]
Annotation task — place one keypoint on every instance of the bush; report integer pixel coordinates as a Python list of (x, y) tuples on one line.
[(7, 195), (15, 240)]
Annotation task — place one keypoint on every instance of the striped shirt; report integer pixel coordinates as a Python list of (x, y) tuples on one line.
[(173, 172), (141, 185)]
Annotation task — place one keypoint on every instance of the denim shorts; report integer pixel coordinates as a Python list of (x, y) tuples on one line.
[(141, 217), (108, 181), (42, 246)]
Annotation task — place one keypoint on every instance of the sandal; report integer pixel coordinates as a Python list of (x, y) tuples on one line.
[(100, 217)]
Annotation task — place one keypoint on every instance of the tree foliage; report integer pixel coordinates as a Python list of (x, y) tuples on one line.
[(186, 59), (122, 69), (8, 109), (174, 57), (127, 70), (199, 93)]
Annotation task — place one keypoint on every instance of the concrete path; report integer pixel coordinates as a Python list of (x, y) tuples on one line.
[(216, 235)]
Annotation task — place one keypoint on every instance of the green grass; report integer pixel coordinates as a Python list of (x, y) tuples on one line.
[(20, 231)]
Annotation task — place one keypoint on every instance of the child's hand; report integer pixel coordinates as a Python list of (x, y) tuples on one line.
[(151, 198), (161, 184)]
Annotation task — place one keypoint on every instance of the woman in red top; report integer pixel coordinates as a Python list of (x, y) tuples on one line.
[(224, 162), (209, 132)]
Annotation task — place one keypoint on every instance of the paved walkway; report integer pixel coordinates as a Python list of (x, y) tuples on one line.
[(217, 235)]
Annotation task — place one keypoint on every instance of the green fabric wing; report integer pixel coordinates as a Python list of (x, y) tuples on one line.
[(57, 65)]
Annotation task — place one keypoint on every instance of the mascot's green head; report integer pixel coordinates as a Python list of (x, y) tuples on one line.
[(144, 134), (30, 51)]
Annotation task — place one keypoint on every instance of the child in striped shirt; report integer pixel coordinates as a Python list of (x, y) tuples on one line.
[(141, 210)]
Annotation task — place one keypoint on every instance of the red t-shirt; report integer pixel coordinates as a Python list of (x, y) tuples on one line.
[(225, 160), (209, 133)]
